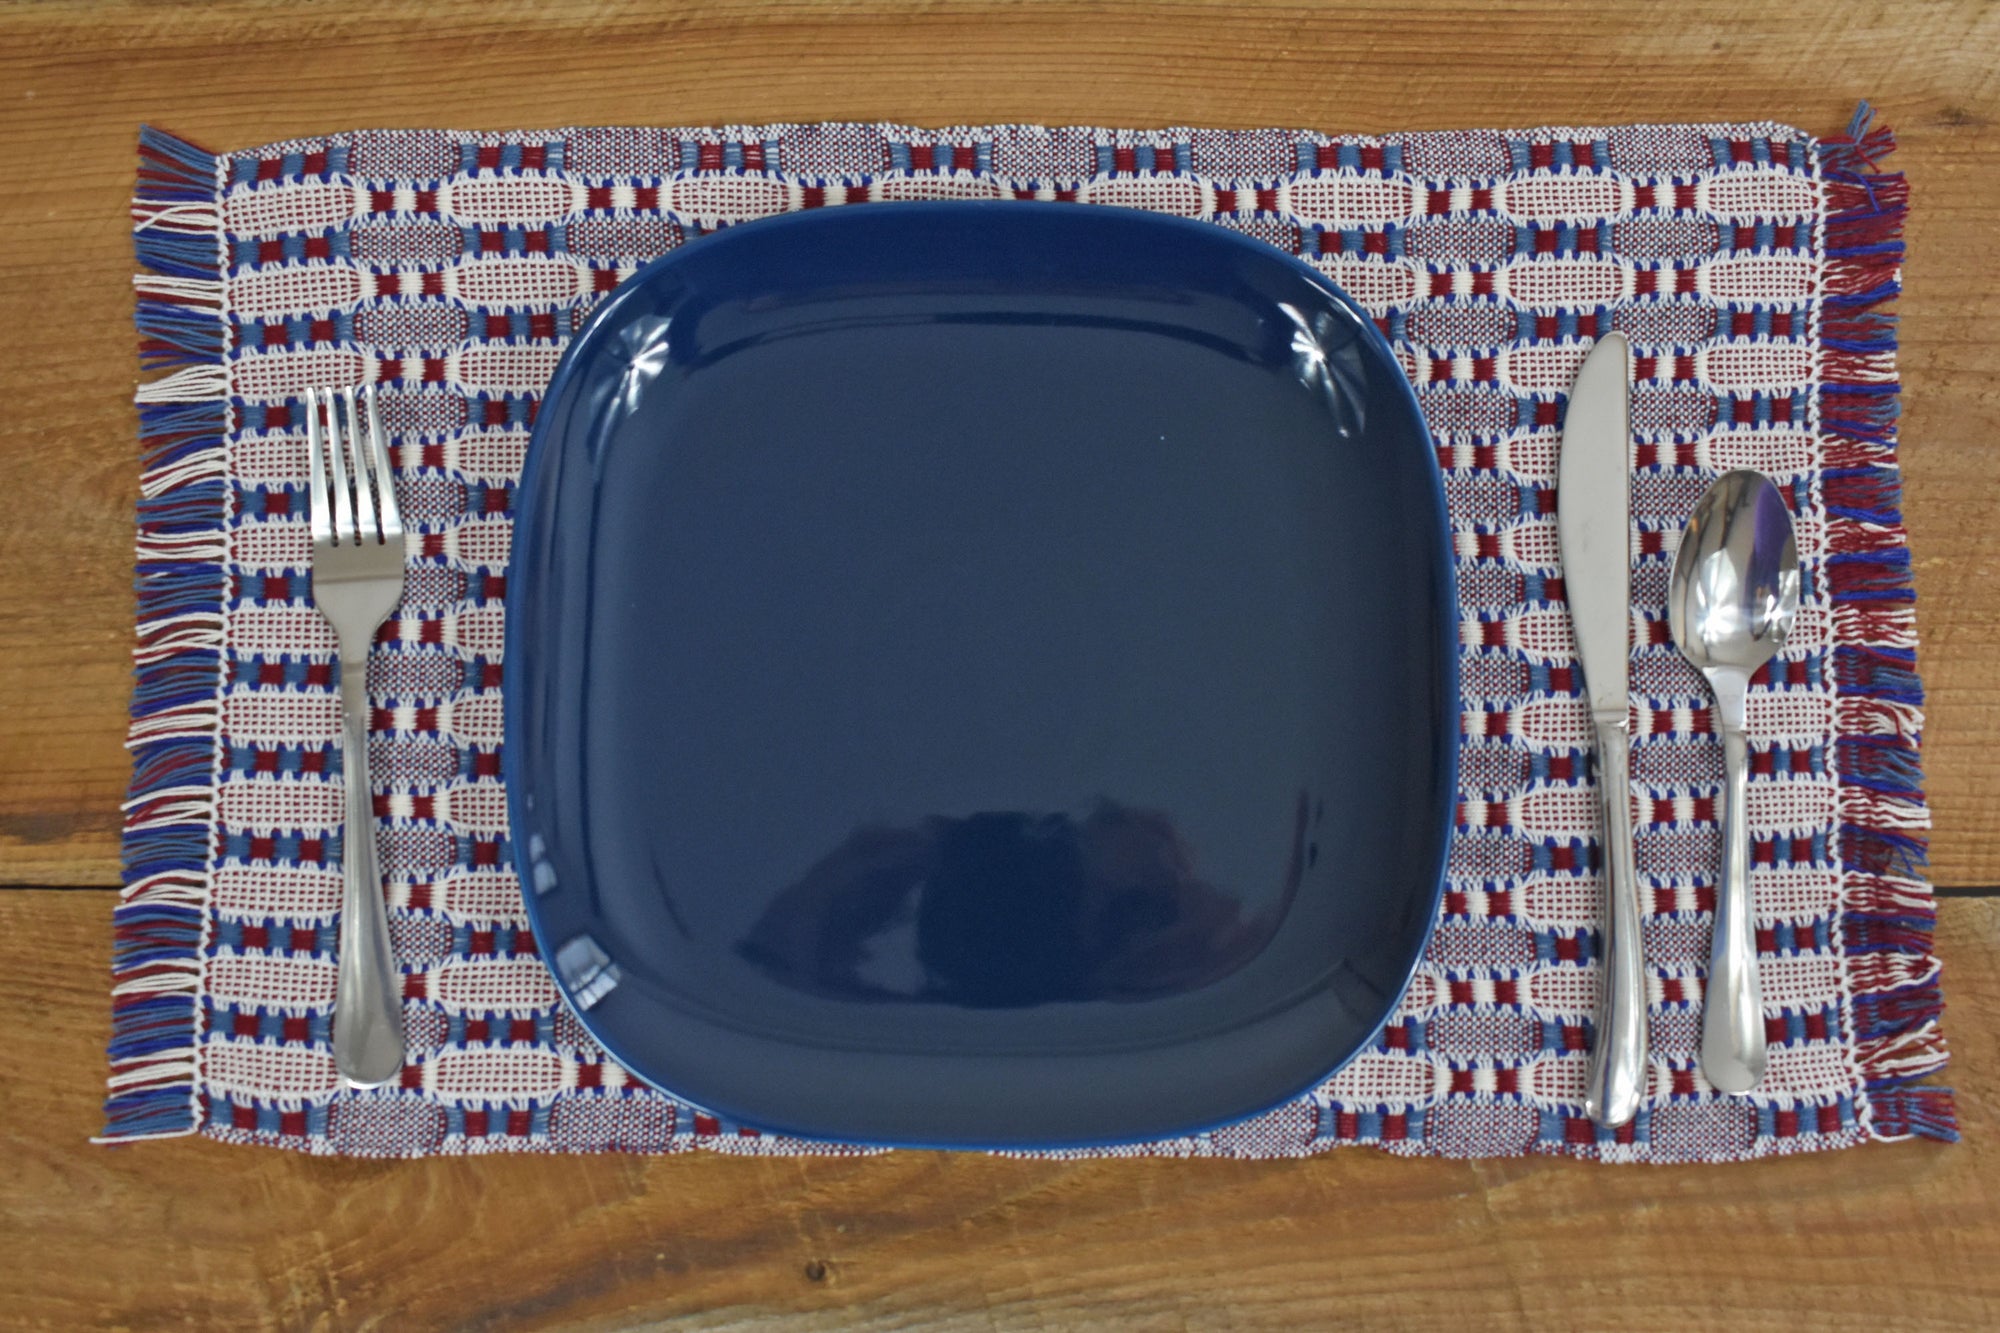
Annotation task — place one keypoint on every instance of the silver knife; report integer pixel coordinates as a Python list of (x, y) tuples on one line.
[(1594, 531)]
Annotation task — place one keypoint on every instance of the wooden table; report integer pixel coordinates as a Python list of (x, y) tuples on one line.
[(187, 1233)]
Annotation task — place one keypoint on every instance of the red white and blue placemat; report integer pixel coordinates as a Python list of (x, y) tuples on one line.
[(1751, 265)]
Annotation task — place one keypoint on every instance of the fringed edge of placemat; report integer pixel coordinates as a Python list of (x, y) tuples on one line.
[(1888, 917), (161, 921)]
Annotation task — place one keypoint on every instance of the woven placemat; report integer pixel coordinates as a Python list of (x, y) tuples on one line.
[(1749, 264)]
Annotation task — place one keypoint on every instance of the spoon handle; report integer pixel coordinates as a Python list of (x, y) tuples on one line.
[(1617, 1078), (1732, 1024)]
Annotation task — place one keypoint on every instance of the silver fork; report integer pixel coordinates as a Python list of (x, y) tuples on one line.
[(357, 580)]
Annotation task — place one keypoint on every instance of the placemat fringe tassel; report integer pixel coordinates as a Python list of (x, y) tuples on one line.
[(161, 918), (1890, 917)]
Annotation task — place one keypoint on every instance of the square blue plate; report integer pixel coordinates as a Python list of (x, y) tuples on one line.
[(981, 675)]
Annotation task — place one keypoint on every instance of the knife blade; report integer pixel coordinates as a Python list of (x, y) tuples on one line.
[(1594, 536)]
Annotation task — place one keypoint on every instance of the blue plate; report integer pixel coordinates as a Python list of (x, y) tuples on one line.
[(981, 675)]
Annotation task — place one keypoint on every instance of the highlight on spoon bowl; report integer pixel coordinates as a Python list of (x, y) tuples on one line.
[(1736, 580)]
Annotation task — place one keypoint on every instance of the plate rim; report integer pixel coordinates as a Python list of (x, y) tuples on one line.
[(599, 325)]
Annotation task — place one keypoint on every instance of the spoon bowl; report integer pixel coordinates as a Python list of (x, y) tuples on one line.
[(1735, 589), (1731, 604)]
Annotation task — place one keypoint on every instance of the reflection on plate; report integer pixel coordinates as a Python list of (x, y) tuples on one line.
[(981, 675)]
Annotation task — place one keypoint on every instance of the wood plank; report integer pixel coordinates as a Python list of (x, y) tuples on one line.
[(191, 1233), (188, 1232), (78, 77)]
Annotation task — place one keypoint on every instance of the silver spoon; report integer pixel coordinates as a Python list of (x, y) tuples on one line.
[(1734, 595)]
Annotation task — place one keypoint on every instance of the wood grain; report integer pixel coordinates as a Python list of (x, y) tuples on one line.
[(76, 79), (191, 1233)]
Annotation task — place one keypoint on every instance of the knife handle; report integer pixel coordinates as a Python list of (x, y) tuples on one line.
[(1617, 1079)]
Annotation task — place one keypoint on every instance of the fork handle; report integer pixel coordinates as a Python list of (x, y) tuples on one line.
[(368, 1007)]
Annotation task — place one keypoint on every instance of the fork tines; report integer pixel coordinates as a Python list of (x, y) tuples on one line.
[(360, 506)]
